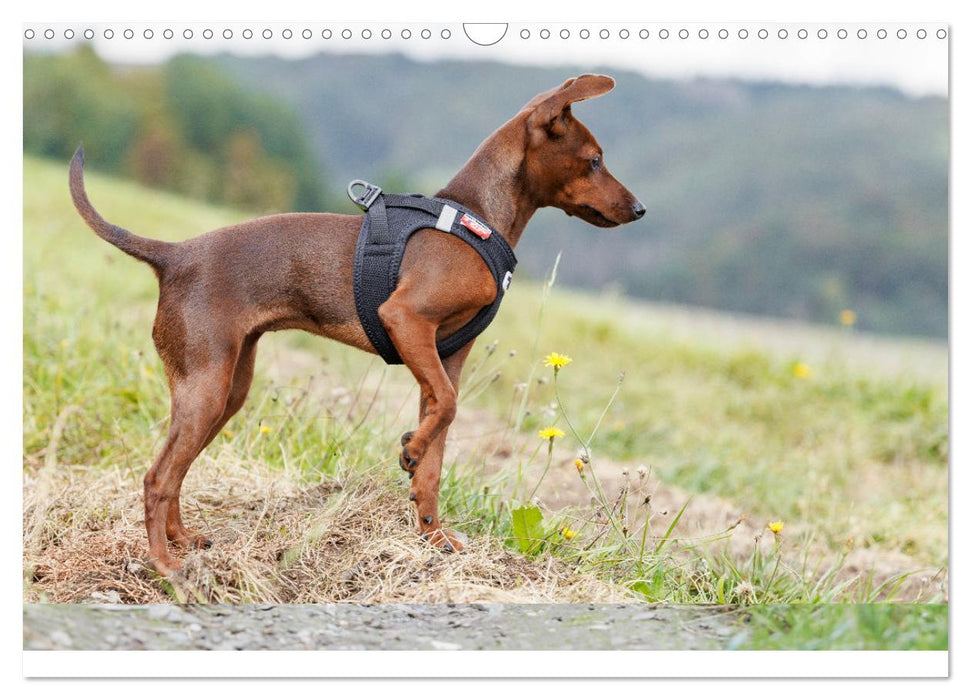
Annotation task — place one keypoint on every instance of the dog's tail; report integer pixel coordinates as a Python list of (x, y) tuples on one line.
[(155, 253)]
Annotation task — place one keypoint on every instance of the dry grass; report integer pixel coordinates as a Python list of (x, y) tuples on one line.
[(277, 539)]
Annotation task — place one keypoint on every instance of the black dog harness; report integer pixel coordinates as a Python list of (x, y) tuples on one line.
[(389, 221)]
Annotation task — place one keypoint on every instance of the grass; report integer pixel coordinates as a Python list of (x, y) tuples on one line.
[(844, 627), (831, 434), (834, 450)]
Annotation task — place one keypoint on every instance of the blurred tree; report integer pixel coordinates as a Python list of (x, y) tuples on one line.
[(156, 155), (252, 180), (184, 126), (74, 98), (211, 107)]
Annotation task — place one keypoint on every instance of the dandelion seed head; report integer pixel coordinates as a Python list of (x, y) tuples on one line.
[(746, 590)]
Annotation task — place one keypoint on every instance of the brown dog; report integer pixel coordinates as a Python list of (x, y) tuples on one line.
[(220, 292)]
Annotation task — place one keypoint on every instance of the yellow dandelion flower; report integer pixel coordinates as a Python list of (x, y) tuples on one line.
[(847, 317), (801, 370), (557, 361), (776, 527), (568, 534), (578, 463), (265, 429), (228, 433), (551, 432)]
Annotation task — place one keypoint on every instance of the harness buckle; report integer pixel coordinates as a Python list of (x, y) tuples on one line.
[(366, 199)]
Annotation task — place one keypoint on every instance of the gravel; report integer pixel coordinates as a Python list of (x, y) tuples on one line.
[(435, 627)]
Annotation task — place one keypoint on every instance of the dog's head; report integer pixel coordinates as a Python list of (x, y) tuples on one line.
[(564, 163)]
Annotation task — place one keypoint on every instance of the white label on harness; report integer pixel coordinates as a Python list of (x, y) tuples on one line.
[(476, 226), (507, 280), (446, 219)]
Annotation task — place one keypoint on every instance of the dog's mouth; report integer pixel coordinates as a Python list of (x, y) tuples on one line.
[(593, 216)]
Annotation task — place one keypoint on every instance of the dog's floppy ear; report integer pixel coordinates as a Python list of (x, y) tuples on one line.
[(549, 108)]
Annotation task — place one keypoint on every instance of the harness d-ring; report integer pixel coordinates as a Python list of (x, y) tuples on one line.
[(365, 200)]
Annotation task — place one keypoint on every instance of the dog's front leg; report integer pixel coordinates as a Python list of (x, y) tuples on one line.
[(425, 483), (421, 455)]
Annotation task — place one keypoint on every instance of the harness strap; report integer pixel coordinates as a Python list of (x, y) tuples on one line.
[(390, 220), (380, 235)]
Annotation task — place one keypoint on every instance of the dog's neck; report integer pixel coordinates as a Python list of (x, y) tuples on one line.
[(492, 184)]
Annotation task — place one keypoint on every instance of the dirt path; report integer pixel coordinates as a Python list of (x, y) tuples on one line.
[(417, 627)]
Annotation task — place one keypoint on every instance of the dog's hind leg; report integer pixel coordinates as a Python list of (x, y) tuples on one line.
[(175, 530), (199, 400)]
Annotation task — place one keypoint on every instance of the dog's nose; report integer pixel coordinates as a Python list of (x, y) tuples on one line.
[(638, 209)]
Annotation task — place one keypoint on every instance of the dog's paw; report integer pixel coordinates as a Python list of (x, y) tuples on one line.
[(166, 565), (405, 458), (190, 539), (406, 461), (446, 540)]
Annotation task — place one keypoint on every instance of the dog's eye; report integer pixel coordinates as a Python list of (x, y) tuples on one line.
[(596, 163)]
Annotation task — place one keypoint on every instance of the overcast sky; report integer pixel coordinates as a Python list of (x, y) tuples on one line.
[(911, 57)]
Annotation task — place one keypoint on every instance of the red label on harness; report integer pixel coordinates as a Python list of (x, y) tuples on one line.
[(476, 227)]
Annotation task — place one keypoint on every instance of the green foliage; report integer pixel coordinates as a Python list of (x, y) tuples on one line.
[(184, 127), (263, 150), (69, 99), (527, 528), (845, 627)]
